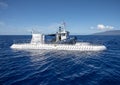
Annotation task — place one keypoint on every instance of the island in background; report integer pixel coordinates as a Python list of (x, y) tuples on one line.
[(111, 32)]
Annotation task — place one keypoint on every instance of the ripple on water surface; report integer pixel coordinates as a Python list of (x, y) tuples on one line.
[(45, 67)]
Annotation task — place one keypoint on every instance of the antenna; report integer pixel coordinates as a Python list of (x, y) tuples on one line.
[(32, 31), (64, 25)]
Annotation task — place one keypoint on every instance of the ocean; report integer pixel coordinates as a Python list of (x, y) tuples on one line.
[(51, 67)]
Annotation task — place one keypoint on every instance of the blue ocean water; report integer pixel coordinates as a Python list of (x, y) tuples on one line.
[(45, 67)]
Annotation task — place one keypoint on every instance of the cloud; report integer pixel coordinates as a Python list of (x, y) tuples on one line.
[(109, 27), (53, 26), (102, 27), (43, 29), (3, 5), (2, 23), (91, 28)]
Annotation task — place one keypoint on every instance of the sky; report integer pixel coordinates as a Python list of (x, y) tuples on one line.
[(82, 17)]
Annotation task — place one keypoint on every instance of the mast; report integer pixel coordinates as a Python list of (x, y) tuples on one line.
[(64, 26)]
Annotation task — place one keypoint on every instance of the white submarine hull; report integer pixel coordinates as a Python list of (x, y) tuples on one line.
[(38, 42), (75, 47)]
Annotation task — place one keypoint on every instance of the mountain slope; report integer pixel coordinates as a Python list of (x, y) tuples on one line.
[(112, 32)]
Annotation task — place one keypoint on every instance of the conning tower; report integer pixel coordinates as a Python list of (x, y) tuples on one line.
[(62, 34)]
